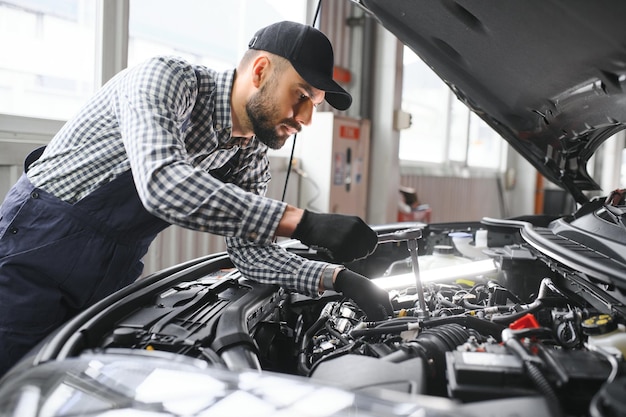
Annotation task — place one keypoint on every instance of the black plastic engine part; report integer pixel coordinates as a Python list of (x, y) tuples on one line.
[(610, 400), (477, 376)]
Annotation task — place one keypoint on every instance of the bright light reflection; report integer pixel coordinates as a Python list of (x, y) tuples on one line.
[(28, 401), (129, 412), (240, 404), (180, 393), (58, 400), (470, 270), (94, 368), (322, 402), (279, 391)]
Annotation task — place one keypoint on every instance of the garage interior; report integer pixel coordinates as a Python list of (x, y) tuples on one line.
[(369, 60)]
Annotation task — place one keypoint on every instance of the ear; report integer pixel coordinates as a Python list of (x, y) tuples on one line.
[(260, 70)]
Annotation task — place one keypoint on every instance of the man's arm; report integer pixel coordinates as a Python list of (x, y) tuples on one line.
[(289, 221), (272, 264)]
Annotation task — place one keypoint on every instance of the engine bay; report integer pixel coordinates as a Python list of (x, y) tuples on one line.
[(472, 323)]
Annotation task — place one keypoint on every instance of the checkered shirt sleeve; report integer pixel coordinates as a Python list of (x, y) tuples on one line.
[(170, 122), (138, 120)]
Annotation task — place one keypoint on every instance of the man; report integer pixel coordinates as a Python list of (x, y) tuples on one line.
[(166, 143)]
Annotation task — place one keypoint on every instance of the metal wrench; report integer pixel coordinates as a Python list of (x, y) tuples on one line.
[(411, 237)]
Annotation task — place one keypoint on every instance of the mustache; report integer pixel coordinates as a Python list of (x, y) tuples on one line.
[(292, 123)]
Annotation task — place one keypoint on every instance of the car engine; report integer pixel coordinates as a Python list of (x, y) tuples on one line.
[(516, 318)]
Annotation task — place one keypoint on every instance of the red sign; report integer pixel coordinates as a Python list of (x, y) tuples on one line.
[(349, 132)]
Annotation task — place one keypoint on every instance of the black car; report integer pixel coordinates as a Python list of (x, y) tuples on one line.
[(531, 322)]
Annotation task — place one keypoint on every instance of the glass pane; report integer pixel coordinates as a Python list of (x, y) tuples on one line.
[(485, 147), (426, 97), (459, 125), (47, 60), (214, 33), (443, 129)]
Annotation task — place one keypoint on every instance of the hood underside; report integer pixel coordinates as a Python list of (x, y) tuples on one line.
[(549, 76)]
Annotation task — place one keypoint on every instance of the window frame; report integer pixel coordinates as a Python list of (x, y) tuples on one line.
[(448, 167), (18, 133)]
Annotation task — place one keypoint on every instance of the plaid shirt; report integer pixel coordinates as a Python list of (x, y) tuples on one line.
[(170, 123)]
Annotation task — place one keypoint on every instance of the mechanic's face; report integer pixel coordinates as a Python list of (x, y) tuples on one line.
[(281, 106)]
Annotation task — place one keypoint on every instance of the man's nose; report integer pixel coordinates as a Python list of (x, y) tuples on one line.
[(304, 112)]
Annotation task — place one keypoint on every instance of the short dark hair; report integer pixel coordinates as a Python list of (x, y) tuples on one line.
[(279, 62)]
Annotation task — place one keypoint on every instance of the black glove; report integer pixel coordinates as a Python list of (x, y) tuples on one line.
[(346, 237), (370, 298)]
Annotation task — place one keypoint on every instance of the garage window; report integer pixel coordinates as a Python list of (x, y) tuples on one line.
[(443, 130), (48, 60)]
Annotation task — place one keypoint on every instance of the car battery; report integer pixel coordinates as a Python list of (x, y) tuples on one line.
[(476, 376), (494, 373)]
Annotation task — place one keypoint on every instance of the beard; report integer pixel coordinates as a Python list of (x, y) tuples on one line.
[(260, 109)]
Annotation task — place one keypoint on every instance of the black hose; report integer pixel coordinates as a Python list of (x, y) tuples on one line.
[(544, 387), (472, 306), (375, 331), (444, 301), (482, 326), (395, 321), (432, 342), (447, 312), (431, 345), (303, 367), (336, 334), (595, 407), (510, 318), (514, 346), (212, 356)]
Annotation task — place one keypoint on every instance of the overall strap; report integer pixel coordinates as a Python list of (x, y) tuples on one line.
[(222, 173), (32, 157)]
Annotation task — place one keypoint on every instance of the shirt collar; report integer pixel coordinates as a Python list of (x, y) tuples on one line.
[(223, 89)]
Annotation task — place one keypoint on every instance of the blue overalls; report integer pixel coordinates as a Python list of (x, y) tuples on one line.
[(56, 258)]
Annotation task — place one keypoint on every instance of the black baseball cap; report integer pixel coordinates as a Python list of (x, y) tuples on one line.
[(309, 52)]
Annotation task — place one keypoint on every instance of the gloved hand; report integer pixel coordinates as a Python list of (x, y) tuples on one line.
[(346, 237), (370, 298)]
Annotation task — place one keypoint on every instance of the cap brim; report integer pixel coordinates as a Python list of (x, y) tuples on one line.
[(336, 96), (340, 100)]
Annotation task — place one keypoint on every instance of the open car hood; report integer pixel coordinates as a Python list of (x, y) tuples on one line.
[(547, 75)]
